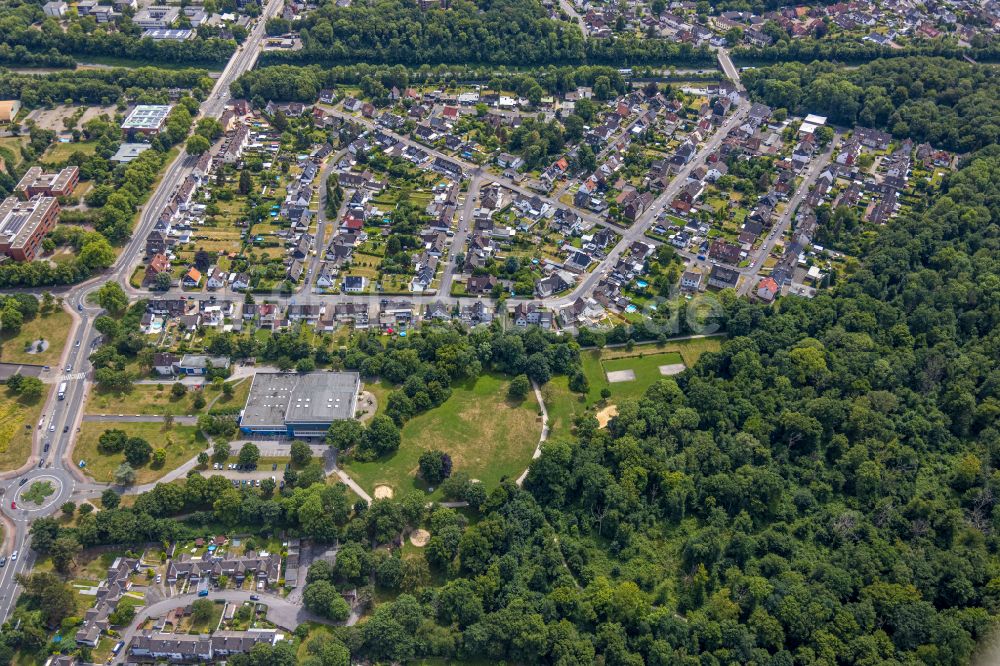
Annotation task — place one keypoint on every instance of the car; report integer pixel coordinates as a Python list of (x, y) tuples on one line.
[(3, 561), (65, 429), (52, 427), (41, 463), (69, 367), (79, 307), (13, 556), (22, 482), (46, 449), (159, 578), (77, 343), (254, 597), (282, 484), (274, 466)]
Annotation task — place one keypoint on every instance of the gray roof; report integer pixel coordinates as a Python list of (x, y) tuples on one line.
[(278, 398)]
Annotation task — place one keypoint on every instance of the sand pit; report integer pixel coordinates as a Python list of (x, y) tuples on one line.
[(419, 538), (383, 492), (606, 415), (672, 369), (618, 376)]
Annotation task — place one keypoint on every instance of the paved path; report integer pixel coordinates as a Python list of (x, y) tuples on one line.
[(139, 418), (545, 430)]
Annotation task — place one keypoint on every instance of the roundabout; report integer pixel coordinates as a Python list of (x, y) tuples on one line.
[(39, 493)]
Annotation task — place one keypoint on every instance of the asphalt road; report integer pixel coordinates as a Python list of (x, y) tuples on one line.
[(63, 416)]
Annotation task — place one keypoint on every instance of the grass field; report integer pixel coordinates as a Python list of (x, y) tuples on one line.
[(181, 443), (58, 153), (487, 437), (644, 360), (52, 327), (157, 399), (17, 423)]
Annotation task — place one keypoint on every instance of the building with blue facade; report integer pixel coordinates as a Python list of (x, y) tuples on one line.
[(291, 404)]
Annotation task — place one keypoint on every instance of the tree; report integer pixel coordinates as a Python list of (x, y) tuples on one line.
[(124, 474), (159, 458), (163, 281), (112, 441), (201, 610), (48, 594), (221, 451), (344, 434), (123, 614), (68, 509), (245, 182), (249, 454), (381, 437), (112, 298), (203, 459), (197, 144), (199, 400), (64, 552), (301, 453), (110, 499), (30, 389), (322, 598), (137, 451), (519, 387), (178, 389), (435, 466)]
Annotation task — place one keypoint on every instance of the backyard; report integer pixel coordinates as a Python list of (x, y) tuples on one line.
[(181, 443), (486, 436)]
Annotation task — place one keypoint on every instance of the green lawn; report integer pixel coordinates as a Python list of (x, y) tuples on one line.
[(157, 399), (60, 152), (180, 441), (17, 423), (52, 327), (644, 360), (487, 437), (645, 367)]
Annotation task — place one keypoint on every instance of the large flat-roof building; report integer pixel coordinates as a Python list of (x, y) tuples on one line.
[(38, 183), (23, 225), (299, 404), (147, 118)]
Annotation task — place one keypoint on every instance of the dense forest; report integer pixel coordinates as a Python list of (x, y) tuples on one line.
[(99, 86), (508, 32), (854, 51), (952, 105)]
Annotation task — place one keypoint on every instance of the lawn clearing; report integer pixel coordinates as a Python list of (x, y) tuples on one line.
[(156, 399), (645, 371), (38, 491), (487, 437), (180, 442), (17, 422), (58, 153), (52, 327)]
